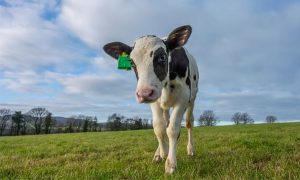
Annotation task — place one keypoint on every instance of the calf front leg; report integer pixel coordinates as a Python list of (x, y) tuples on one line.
[(159, 126), (173, 131)]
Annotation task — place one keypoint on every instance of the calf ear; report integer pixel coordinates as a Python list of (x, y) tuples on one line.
[(114, 49), (178, 37)]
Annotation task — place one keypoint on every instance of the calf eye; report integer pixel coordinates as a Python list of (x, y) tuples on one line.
[(162, 58)]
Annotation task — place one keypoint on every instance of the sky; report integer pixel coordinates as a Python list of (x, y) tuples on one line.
[(247, 51)]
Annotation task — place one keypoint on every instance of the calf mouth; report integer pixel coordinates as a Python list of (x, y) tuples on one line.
[(146, 100)]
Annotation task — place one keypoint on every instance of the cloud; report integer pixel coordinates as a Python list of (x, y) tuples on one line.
[(247, 52), (29, 41), (94, 86)]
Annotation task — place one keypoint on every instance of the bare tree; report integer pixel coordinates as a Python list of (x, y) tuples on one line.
[(94, 124), (242, 118), (5, 116), (70, 125), (17, 122), (85, 127), (84, 123), (236, 118), (38, 116), (208, 118), (145, 123), (246, 119), (114, 122), (49, 123), (271, 119), (26, 121)]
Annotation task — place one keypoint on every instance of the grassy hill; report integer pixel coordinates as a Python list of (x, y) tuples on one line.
[(230, 152)]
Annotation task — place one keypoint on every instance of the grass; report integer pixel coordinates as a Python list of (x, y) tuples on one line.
[(265, 151)]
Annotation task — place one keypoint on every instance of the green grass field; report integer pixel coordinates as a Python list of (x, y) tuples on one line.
[(263, 151)]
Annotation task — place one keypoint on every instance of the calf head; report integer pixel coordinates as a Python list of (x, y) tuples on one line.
[(150, 58)]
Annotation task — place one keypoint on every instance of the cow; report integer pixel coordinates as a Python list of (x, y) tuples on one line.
[(167, 79)]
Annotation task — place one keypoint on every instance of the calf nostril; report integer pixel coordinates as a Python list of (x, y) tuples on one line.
[(151, 93), (145, 93)]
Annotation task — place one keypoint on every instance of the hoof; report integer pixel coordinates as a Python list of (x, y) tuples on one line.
[(157, 159), (170, 167), (190, 151)]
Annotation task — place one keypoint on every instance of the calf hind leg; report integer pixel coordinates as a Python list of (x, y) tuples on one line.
[(189, 126)]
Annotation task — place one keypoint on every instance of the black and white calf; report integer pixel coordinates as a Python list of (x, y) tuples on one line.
[(167, 79)]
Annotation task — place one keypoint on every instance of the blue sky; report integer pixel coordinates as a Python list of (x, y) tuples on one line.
[(247, 52)]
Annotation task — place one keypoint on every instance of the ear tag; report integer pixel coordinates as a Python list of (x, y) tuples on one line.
[(124, 62)]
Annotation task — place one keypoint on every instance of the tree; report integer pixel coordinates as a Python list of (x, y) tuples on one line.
[(25, 122), (246, 119), (236, 118), (49, 123), (69, 128), (85, 125), (38, 116), (17, 122), (145, 123), (242, 118), (271, 119), (115, 122), (5, 115), (138, 124), (94, 124), (77, 123), (208, 118)]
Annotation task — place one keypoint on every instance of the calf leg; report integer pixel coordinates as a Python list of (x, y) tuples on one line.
[(173, 131), (189, 126), (159, 126), (166, 116)]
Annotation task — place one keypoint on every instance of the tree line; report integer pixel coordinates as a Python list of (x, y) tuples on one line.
[(117, 122), (35, 121), (209, 118), (40, 121)]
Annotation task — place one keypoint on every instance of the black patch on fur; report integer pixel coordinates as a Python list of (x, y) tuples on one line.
[(151, 53), (166, 84), (188, 82), (160, 63), (172, 75), (172, 86), (179, 63), (167, 49), (195, 78), (135, 70)]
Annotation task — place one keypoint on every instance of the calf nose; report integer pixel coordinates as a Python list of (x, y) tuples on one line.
[(145, 95), (145, 92)]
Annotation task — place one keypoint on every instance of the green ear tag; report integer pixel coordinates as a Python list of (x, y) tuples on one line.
[(124, 61)]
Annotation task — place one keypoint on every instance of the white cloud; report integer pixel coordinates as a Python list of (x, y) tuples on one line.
[(99, 22), (247, 51), (29, 41), (92, 85), (24, 81)]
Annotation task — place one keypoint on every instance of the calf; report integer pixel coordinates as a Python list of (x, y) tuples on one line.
[(167, 79)]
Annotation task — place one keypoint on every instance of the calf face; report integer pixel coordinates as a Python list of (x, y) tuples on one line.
[(151, 56)]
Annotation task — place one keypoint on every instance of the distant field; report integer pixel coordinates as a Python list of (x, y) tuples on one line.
[(262, 151)]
